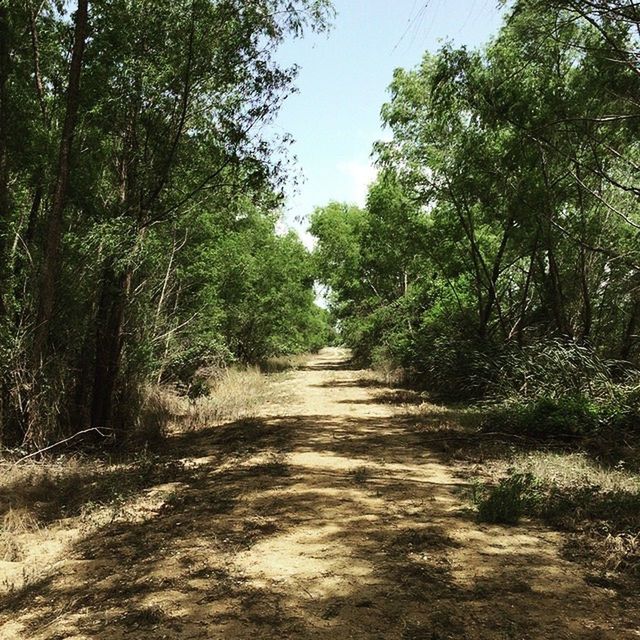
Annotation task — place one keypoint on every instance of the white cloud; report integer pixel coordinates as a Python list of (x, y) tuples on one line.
[(282, 228), (308, 240), (361, 176)]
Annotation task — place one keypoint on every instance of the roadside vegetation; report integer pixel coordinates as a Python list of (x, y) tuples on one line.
[(49, 502), (149, 294), (497, 261), (139, 208)]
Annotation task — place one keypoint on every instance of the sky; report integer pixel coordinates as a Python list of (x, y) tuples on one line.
[(342, 83)]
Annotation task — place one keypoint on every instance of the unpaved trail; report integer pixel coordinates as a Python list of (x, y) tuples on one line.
[(327, 517)]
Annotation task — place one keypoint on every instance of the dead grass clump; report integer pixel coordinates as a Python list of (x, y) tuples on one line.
[(11, 550), (622, 553), (389, 374), (46, 505), (427, 538), (238, 394), (15, 524), (281, 364), (18, 521), (144, 617), (274, 465), (567, 470), (151, 410), (31, 487), (600, 505)]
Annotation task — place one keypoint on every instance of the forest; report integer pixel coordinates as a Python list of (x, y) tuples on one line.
[(497, 257), (139, 202), (415, 418)]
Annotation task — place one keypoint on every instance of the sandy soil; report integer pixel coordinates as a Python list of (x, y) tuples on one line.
[(327, 517)]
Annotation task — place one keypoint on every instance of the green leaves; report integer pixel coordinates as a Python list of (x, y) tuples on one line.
[(506, 212)]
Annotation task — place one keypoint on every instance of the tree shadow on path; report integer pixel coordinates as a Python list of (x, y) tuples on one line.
[(318, 525)]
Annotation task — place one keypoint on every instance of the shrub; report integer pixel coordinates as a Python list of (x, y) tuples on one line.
[(552, 368), (571, 492), (545, 418), (184, 365), (563, 418), (506, 502)]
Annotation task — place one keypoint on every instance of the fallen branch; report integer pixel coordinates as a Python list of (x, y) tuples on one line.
[(98, 430)]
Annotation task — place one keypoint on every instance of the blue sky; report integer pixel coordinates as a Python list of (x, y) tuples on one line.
[(342, 83)]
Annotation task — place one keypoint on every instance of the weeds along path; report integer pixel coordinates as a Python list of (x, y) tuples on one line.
[(326, 517)]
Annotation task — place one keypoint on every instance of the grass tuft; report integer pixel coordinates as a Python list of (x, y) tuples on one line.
[(508, 501), (360, 475), (281, 364), (237, 394)]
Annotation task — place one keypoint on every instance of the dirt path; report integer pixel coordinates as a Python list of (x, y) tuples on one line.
[(325, 518)]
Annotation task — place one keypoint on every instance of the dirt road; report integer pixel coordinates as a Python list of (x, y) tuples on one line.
[(327, 517)]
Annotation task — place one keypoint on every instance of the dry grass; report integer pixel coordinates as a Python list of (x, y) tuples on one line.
[(388, 374), (570, 470), (280, 364), (15, 524), (46, 505), (622, 553), (158, 408), (29, 536), (599, 505), (360, 475), (238, 394)]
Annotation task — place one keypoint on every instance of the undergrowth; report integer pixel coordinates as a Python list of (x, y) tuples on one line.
[(566, 418), (279, 364), (575, 494), (238, 393), (44, 504)]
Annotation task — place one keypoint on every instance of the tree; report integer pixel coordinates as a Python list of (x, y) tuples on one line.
[(516, 214), (118, 158)]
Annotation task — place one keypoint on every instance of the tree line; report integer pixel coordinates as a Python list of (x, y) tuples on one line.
[(139, 196), (504, 223)]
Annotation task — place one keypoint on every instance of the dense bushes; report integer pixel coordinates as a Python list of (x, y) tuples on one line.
[(560, 390)]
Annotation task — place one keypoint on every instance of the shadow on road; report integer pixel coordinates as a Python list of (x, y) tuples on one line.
[(313, 526)]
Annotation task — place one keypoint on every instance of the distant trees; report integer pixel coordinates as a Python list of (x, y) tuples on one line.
[(507, 200), (132, 179)]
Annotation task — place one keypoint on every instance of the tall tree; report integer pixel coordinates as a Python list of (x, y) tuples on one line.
[(55, 218)]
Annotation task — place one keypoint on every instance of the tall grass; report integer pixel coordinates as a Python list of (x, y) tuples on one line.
[(552, 368), (560, 389), (280, 364), (237, 393)]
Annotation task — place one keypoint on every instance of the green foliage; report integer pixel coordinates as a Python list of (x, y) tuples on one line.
[(565, 418), (601, 504), (497, 254), (508, 501), (164, 254), (547, 418), (551, 368)]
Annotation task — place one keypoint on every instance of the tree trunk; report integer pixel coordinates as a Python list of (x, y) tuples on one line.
[(4, 159), (109, 339), (51, 258), (518, 327), (628, 337), (557, 296), (492, 292), (587, 307)]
